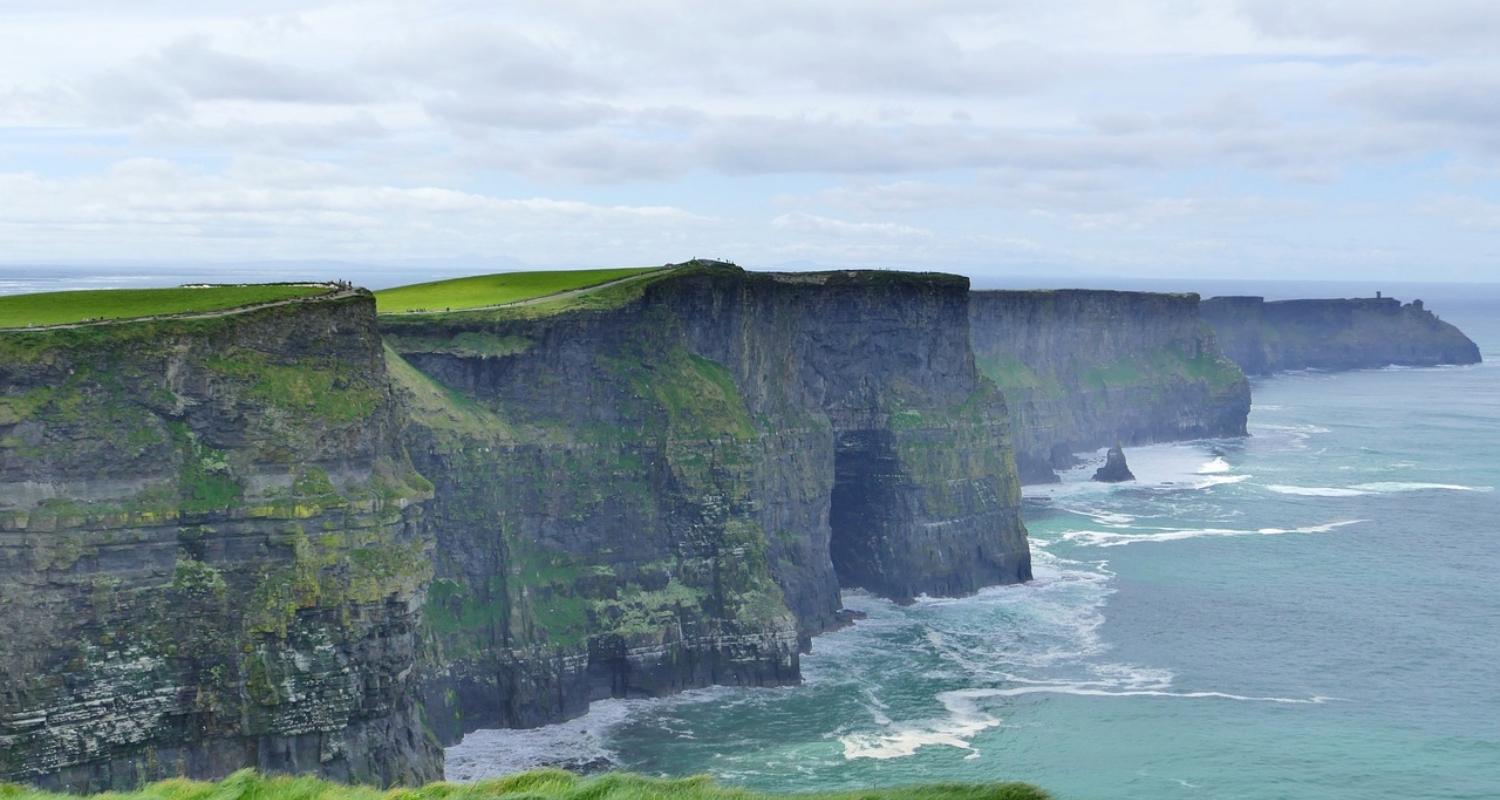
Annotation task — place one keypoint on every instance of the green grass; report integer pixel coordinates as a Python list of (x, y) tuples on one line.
[(490, 290), (538, 785), (60, 308)]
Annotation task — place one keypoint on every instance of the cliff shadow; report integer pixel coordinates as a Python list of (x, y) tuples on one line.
[(866, 503)]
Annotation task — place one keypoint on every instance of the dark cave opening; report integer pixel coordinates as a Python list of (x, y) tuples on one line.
[(865, 506)]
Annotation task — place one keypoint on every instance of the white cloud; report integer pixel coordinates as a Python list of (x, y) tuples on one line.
[(153, 208), (1096, 132), (827, 226)]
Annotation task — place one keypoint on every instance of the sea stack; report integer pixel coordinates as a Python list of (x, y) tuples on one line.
[(1115, 470)]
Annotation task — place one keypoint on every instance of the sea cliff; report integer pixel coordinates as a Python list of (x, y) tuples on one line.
[(212, 553), (306, 538), (1265, 337), (666, 486), (1083, 369), (284, 538)]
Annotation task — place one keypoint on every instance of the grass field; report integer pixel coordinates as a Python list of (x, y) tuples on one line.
[(539, 785), (490, 290), (58, 308)]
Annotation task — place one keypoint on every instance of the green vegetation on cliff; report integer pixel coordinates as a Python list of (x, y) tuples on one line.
[(537, 785), (491, 290), (61, 308), (1161, 367)]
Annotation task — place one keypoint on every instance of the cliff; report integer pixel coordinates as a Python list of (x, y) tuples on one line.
[(1083, 369), (664, 484), (1266, 337), (211, 553)]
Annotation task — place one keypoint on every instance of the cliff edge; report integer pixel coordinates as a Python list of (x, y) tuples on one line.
[(211, 551), (664, 483), (1334, 334), (1082, 369)]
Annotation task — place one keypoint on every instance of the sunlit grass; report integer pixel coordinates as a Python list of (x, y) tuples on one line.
[(538, 785), (489, 290), (57, 308)]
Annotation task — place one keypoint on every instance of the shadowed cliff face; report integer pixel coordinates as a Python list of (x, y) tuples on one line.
[(666, 489), (1083, 369), (207, 554), (1333, 334)]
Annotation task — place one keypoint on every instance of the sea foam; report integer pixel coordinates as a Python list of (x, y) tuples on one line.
[(1116, 539), (964, 721), (1315, 491), (1386, 487), (1214, 467)]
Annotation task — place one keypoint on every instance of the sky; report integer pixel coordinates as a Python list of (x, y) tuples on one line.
[(1327, 139)]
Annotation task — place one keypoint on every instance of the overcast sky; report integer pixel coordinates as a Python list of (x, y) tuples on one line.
[(1271, 138)]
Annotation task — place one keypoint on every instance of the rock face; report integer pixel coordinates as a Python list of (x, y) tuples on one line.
[(665, 485), (1115, 470), (210, 555), (267, 538), (1082, 369), (1266, 337)]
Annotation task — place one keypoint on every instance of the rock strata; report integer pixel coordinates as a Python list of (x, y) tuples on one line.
[(667, 486), (212, 553)]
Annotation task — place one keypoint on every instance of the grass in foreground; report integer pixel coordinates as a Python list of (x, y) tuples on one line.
[(491, 290), (60, 308), (538, 785)]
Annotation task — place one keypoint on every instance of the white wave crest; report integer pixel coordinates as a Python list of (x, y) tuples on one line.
[(1115, 539), (491, 753), (1219, 480), (1386, 487), (965, 720), (1214, 467), (1111, 518), (1315, 491), (1307, 428), (1090, 690)]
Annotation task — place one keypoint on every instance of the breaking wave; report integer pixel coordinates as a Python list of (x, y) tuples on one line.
[(1214, 467), (1387, 487), (1315, 491), (1116, 539)]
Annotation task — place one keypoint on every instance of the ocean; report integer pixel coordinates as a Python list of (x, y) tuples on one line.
[(1311, 612)]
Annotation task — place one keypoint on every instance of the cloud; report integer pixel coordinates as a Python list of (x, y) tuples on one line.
[(1467, 211), (530, 113), (1383, 26), (268, 208), (201, 72), (838, 131), (244, 133), (1461, 94), (826, 226)]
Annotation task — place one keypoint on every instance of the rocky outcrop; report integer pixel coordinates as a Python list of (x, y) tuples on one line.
[(1361, 333), (1083, 369), (664, 485), (210, 555), (1115, 470)]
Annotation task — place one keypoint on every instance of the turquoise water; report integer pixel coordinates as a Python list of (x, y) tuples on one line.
[(1312, 612)]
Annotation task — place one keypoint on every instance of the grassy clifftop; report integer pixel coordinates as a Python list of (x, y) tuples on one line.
[(482, 291), (538, 785), (63, 308)]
